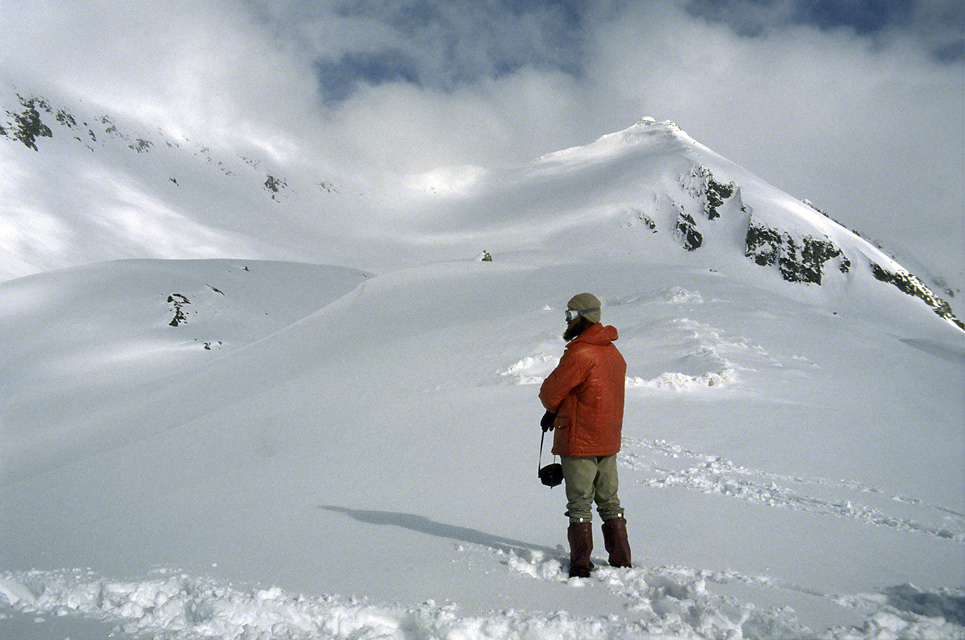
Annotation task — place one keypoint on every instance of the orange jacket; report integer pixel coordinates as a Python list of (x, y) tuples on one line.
[(586, 393)]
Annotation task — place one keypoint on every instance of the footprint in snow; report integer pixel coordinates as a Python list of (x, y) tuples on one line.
[(665, 465)]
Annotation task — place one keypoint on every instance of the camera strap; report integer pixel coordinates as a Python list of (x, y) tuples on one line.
[(540, 465), (542, 438), (552, 474)]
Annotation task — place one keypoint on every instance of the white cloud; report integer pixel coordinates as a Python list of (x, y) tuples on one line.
[(189, 67), (870, 132), (870, 128)]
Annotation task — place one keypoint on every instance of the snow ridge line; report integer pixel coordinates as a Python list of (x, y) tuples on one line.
[(716, 475)]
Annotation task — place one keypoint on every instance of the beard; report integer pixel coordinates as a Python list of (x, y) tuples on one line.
[(575, 328)]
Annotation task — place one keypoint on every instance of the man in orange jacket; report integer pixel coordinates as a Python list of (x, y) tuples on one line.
[(583, 398)]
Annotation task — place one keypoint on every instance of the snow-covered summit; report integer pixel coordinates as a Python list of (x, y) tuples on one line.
[(147, 193), (645, 131), (651, 193)]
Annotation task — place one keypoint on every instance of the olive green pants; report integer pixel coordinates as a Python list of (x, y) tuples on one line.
[(590, 480)]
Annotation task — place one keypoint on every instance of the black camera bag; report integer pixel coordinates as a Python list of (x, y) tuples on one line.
[(552, 474)]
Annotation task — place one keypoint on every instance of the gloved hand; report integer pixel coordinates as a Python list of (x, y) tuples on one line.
[(547, 421)]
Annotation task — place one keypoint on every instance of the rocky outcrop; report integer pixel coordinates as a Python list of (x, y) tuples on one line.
[(805, 260), (27, 125), (178, 302), (685, 232), (274, 186), (798, 259), (912, 285), (711, 196)]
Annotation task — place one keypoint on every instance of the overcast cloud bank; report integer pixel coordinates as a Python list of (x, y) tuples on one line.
[(856, 106)]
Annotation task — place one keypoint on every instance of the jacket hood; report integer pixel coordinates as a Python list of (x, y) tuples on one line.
[(598, 334)]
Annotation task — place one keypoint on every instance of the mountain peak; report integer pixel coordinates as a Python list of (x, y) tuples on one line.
[(151, 195), (646, 132)]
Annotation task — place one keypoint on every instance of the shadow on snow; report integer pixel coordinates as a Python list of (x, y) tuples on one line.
[(421, 524)]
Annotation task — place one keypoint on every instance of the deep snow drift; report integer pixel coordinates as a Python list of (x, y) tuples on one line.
[(245, 449)]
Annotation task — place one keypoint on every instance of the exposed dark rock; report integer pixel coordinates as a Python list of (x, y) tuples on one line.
[(65, 119), (912, 285), (763, 245), (716, 194), (799, 259), (703, 186), (806, 263), (275, 185), (141, 146), (28, 126), (635, 215), (685, 232), (178, 301), (803, 260), (644, 218)]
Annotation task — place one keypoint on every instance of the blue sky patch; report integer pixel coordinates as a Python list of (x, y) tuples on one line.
[(337, 79), (865, 16), (757, 17), (448, 44)]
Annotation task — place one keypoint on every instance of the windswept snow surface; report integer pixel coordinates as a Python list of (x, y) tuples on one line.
[(238, 449), (369, 469)]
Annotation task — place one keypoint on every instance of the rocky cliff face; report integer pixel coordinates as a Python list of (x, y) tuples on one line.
[(802, 259), (799, 257), (711, 196), (805, 260), (912, 285), (37, 118)]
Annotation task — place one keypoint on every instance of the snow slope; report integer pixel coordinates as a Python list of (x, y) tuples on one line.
[(107, 187), (324, 452)]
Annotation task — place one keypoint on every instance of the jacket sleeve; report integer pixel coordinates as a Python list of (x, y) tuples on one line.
[(569, 373)]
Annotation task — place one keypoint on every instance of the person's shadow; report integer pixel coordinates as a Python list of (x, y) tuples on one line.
[(422, 524)]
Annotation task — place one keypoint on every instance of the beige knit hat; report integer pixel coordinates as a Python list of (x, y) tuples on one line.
[(587, 304)]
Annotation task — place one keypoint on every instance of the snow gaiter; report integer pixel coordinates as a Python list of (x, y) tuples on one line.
[(580, 535), (616, 542)]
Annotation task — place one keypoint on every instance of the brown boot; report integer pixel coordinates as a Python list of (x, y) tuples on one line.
[(616, 543), (580, 535)]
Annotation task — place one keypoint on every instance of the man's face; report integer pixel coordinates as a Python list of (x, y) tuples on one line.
[(574, 327)]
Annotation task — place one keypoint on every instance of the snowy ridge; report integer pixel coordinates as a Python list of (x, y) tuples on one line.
[(135, 325), (82, 185), (651, 173), (650, 193)]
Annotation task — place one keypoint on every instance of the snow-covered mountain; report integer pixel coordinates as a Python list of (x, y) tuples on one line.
[(153, 194), (206, 436)]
